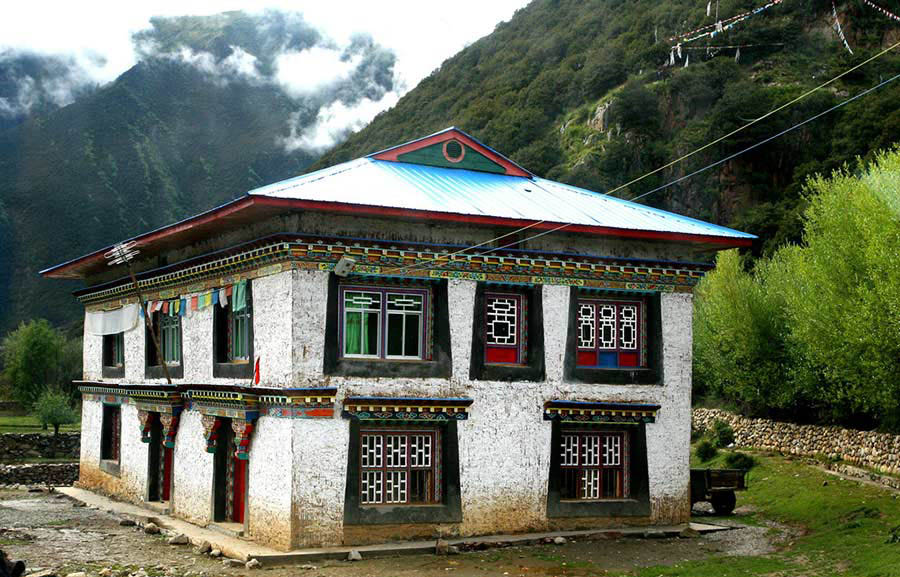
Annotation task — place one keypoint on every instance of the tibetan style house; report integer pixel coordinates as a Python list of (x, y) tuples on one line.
[(405, 342)]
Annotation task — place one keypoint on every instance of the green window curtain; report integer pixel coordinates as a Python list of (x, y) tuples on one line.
[(239, 296), (353, 336)]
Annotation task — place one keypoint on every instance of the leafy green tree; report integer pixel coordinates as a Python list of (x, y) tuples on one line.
[(37, 355), (53, 408)]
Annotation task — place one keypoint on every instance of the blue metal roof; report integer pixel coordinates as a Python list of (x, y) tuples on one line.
[(380, 183)]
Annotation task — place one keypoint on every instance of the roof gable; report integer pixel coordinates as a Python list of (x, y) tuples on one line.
[(452, 148)]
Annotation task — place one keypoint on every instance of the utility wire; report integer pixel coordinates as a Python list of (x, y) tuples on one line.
[(726, 159), (406, 268)]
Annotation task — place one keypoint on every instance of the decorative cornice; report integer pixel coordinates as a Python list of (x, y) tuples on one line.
[(322, 253), (599, 412), (406, 409)]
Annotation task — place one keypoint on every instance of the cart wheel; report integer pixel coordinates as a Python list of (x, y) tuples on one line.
[(723, 502)]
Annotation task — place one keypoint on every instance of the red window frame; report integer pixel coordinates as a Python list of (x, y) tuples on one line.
[(496, 353), (389, 473), (616, 356), (587, 472)]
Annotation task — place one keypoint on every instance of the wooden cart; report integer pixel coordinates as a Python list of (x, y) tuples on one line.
[(717, 486)]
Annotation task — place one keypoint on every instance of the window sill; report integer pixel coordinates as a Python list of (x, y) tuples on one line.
[(110, 467), (233, 370), (109, 372), (624, 376), (176, 371), (398, 368), (403, 514)]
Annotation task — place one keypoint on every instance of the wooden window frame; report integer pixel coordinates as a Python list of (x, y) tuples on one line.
[(113, 356), (580, 469), (520, 347), (618, 350), (153, 364), (434, 491), (384, 314), (111, 438)]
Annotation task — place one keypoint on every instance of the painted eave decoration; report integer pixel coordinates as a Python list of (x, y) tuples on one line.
[(599, 412), (406, 408), (445, 177)]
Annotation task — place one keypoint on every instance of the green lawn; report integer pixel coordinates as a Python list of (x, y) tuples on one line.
[(29, 424), (847, 528)]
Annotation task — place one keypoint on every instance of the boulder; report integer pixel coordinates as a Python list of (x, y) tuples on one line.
[(354, 556)]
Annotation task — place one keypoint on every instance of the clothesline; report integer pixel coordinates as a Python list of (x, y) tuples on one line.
[(720, 25), (884, 11)]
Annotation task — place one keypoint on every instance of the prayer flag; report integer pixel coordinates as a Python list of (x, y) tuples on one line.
[(256, 372), (239, 296), (214, 297), (194, 303), (165, 307)]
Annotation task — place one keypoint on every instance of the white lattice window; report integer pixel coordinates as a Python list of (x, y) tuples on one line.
[(504, 330), (609, 334), (399, 467), (586, 332), (592, 465)]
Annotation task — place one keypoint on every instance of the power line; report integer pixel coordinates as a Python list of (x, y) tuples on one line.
[(726, 159), (406, 268)]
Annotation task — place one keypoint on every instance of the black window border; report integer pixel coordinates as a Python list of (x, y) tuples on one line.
[(636, 505), (650, 375), (440, 366), (225, 369), (448, 511), (156, 371), (534, 369), (112, 371), (110, 466)]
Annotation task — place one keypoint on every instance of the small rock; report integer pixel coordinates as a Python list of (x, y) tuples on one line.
[(203, 547), (151, 529), (232, 562), (559, 540), (307, 567), (78, 504), (440, 548), (139, 573), (824, 483), (105, 572), (127, 523), (215, 553), (688, 533), (42, 573), (180, 539), (253, 564), (452, 550), (354, 556), (77, 574)]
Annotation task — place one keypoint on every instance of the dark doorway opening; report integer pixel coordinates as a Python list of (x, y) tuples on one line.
[(229, 478), (154, 459)]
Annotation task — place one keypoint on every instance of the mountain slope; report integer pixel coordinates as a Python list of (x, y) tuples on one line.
[(582, 92)]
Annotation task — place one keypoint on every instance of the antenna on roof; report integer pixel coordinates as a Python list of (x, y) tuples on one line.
[(124, 253)]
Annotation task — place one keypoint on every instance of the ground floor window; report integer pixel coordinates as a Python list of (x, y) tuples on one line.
[(593, 465), (110, 433), (399, 467)]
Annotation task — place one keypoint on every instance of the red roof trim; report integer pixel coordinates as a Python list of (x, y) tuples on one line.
[(60, 271), (511, 168)]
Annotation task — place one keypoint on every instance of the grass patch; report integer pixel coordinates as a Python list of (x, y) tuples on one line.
[(848, 528), (30, 424)]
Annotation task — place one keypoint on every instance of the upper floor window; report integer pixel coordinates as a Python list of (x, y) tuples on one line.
[(168, 333), (114, 350), (383, 323), (505, 332), (399, 467), (593, 465), (609, 333), (234, 328)]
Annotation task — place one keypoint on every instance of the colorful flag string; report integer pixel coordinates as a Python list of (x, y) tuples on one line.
[(838, 29), (884, 11), (188, 304), (720, 26)]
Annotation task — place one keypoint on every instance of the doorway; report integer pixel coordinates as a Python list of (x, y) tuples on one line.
[(159, 463), (229, 478)]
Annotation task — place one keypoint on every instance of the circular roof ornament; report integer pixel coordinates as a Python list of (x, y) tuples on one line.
[(454, 151)]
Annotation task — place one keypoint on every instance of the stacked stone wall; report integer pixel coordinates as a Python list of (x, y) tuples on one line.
[(42, 474), (25, 446), (878, 451)]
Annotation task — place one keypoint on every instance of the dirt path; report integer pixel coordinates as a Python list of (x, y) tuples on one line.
[(50, 532)]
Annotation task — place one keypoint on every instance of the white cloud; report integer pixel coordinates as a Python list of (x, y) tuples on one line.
[(335, 121), (240, 64), (307, 71)]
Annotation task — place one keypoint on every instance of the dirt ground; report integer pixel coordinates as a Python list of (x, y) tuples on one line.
[(49, 532)]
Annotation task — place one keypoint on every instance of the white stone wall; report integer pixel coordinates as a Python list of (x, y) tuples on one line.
[(319, 480), (272, 326), (270, 482), (192, 474)]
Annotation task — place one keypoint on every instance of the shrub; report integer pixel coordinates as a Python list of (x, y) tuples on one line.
[(705, 450), (737, 460), (52, 408), (722, 434)]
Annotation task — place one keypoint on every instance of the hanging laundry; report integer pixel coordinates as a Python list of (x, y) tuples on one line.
[(239, 296), (687, 60)]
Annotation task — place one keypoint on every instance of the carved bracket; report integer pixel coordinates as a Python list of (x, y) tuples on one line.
[(146, 418), (242, 432), (211, 426), (169, 428)]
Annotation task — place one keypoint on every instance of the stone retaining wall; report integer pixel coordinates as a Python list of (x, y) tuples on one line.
[(24, 446), (41, 474), (878, 451)]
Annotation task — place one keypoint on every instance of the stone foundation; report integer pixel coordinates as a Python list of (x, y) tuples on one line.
[(21, 447)]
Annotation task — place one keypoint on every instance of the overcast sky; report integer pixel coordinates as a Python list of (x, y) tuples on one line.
[(422, 33)]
